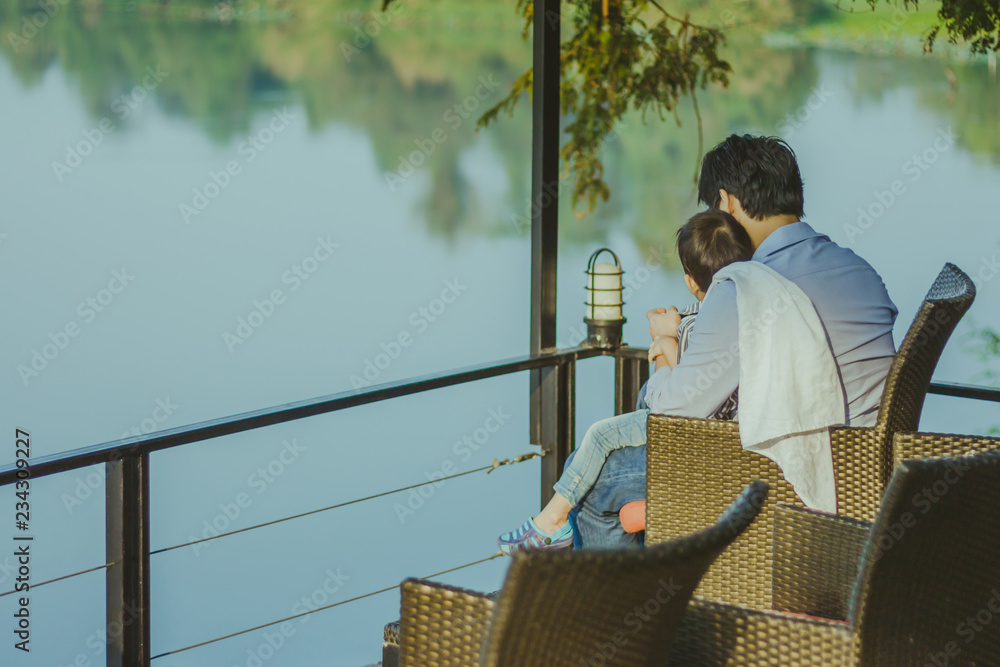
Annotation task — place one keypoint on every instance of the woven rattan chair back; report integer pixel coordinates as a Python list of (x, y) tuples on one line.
[(439, 625), (685, 492), (608, 607), (862, 457), (927, 592), (910, 374)]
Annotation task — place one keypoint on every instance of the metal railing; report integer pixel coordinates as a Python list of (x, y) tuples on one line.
[(127, 466), (552, 388), (973, 391)]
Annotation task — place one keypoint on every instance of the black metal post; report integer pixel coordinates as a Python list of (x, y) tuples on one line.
[(549, 400), (631, 372), (557, 396), (127, 545)]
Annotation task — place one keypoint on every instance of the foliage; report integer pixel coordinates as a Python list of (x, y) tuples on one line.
[(976, 22), (226, 71), (985, 345), (636, 56)]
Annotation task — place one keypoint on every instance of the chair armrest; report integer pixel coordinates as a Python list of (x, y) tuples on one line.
[(862, 463), (816, 559), (914, 445), (864, 458), (442, 625), (715, 634)]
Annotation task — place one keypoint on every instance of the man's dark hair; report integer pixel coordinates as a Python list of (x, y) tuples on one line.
[(709, 241), (759, 171)]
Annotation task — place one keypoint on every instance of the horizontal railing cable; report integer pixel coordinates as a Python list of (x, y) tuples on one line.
[(490, 468), (313, 611), (67, 576)]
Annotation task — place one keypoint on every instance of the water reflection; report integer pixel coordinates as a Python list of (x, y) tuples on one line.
[(227, 62), (223, 73), (962, 92), (399, 87), (459, 214)]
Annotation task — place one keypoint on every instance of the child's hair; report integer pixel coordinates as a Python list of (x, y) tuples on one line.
[(709, 241)]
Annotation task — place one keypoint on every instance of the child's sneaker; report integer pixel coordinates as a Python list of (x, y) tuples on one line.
[(530, 536)]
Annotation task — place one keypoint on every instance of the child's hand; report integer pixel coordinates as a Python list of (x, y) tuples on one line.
[(665, 346), (663, 322)]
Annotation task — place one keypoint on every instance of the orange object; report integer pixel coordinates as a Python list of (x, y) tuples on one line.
[(633, 516)]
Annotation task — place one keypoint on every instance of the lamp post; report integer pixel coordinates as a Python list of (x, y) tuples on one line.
[(604, 317)]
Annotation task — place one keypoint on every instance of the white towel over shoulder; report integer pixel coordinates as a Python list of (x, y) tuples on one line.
[(790, 387)]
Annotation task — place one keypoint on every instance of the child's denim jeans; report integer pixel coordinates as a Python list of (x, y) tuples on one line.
[(601, 439), (622, 480)]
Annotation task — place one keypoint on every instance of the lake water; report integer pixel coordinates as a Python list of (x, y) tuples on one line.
[(247, 173)]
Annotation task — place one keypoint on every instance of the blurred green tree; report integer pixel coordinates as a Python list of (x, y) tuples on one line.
[(636, 55)]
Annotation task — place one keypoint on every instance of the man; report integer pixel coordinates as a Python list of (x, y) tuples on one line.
[(757, 180)]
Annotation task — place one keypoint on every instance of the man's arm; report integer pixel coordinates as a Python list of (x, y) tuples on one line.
[(709, 369)]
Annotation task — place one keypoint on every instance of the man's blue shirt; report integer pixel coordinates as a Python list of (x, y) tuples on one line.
[(850, 299)]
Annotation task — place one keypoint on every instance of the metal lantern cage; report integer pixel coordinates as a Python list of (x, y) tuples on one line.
[(605, 314)]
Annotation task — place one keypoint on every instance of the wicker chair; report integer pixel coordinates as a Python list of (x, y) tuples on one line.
[(693, 465), (917, 587), (612, 607)]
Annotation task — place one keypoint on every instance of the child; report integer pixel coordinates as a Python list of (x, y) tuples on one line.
[(707, 242)]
